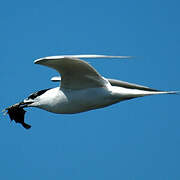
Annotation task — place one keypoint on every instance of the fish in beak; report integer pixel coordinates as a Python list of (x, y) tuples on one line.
[(17, 113)]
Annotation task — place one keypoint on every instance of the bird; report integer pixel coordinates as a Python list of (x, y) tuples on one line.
[(81, 89)]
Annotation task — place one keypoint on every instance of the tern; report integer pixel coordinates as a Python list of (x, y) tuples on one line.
[(81, 89)]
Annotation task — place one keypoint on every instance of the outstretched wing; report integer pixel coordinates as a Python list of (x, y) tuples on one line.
[(115, 82), (128, 85), (76, 73)]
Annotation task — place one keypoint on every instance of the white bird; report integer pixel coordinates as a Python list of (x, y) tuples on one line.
[(82, 89)]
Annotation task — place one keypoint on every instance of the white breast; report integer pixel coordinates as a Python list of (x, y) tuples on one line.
[(74, 101)]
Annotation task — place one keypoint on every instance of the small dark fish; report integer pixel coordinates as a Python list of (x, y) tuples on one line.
[(17, 113)]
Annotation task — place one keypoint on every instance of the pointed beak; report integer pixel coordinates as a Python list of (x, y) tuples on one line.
[(24, 104)]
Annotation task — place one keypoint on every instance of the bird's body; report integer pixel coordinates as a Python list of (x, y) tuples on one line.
[(67, 101), (82, 88), (63, 101)]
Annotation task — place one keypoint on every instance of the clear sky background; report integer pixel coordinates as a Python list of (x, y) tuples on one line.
[(133, 140)]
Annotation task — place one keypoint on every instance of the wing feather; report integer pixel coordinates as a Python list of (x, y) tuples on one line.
[(128, 85), (115, 82), (76, 73)]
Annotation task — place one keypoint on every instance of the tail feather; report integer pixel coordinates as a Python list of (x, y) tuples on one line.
[(174, 92), (166, 92), (134, 93)]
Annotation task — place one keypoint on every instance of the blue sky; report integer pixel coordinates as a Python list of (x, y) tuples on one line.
[(134, 140)]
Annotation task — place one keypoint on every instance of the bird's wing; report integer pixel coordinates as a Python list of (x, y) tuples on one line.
[(128, 85), (119, 83), (76, 73)]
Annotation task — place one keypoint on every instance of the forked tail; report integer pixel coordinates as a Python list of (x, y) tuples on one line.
[(160, 92), (128, 93)]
